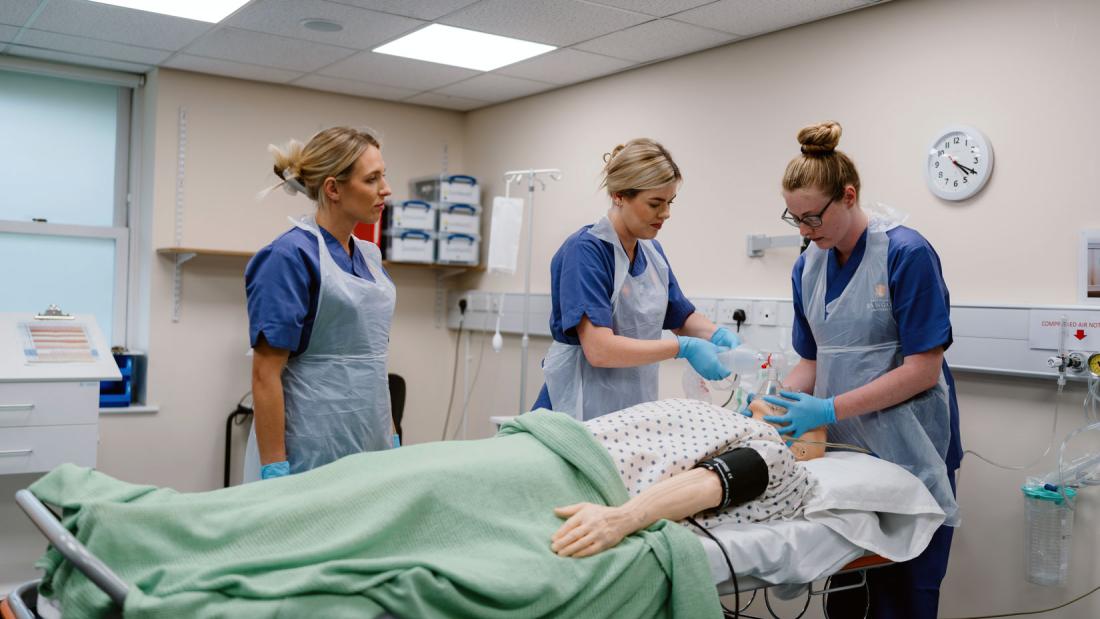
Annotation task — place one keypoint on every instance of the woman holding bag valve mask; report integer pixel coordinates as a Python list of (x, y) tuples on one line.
[(613, 292)]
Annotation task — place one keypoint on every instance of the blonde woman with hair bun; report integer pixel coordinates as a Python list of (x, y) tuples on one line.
[(320, 306), (872, 322), (613, 292)]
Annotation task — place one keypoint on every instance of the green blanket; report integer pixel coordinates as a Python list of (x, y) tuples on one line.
[(455, 529)]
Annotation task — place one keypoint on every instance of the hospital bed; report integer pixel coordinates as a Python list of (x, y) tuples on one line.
[(864, 513)]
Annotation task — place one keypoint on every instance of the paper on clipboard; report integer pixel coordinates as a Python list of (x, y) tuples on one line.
[(57, 343)]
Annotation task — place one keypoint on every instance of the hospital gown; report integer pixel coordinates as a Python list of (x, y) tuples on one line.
[(653, 441)]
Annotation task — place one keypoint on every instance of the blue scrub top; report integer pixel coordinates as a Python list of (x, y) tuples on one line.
[(283, 281), (922, 306), (582, 278)]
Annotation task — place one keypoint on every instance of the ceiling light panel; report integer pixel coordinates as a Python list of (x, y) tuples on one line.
[(459, 47), (212, 11)]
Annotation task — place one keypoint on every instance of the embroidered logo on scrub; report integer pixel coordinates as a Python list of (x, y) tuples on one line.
[(882, 301)]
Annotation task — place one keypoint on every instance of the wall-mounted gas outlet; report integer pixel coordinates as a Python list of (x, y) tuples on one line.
[(766, 312)]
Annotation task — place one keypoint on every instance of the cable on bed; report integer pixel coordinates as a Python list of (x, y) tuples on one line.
[(733, 575)]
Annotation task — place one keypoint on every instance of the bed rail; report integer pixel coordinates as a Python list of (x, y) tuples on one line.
[(71, 548)]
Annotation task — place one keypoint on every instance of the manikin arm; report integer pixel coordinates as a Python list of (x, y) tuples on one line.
[(592, 528)]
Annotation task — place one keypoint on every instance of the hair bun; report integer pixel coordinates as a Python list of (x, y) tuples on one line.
[(820, 139), (614, 151)]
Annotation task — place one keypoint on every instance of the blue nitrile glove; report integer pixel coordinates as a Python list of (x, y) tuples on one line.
[(748, 400), (396, 441), (724, 337), (275, 469), (703, 357), (803, 415)]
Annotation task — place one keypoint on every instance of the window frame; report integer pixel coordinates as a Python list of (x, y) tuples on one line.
[(126, 230)]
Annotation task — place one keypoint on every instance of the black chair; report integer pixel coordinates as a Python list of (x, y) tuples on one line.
[(243, 414), (397, 400)]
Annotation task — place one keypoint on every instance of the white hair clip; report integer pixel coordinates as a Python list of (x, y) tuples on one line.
[(291, 184)]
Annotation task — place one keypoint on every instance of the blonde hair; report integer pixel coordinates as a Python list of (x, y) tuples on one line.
[(636, 166), (332, 152), (821, 165)]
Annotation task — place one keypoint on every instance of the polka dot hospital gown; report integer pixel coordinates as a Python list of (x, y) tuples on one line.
[(656, 440)]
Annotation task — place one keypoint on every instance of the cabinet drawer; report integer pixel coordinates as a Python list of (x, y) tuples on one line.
[(33, 450), (48, 404)]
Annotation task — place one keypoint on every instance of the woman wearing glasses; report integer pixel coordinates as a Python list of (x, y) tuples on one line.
[(613, 292), (871, 325)]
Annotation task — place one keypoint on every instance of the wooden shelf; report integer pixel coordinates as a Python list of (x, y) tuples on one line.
[(195, 251)]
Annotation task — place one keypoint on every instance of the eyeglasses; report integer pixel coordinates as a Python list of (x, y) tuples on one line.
[(813, 221)]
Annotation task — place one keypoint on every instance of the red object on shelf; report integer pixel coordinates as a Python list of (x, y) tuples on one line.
[(369, 232)]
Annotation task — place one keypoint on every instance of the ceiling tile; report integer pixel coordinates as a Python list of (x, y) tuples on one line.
[(88, 61), (657, 8), (7, 33), (112, 23), (92, 47), (554, 22), (751, 17), (452, 103), (266, 49), (362, 29), (656, 39), (420, 9), (228, 68), (397, 72), (17, 12), (565, 66), (492, 87), (350, 87)]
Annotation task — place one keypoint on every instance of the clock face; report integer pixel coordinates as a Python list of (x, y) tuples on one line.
[(959, 163)]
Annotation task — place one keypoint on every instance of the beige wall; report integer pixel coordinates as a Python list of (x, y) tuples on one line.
[(893, 75)]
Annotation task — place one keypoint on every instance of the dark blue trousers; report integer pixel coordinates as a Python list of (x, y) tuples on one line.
[(909, 590)]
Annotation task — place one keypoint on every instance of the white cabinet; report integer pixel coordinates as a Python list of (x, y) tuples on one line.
[(49, 410)]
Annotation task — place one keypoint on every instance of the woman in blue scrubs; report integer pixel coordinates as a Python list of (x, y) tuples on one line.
[(872, 321), (319, 308), (613, 292)]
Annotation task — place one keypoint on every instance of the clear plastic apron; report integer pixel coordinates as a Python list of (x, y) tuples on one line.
[(336, 392), (638, 306), (857, 341)]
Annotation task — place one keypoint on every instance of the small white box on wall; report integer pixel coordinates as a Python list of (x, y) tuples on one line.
[(413, 215), (460, 219), (457, 248), (411, 246)]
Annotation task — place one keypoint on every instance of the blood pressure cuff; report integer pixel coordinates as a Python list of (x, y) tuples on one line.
[(743, 473)]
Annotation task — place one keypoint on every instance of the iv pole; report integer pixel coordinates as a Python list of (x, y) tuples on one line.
[(518, 176)]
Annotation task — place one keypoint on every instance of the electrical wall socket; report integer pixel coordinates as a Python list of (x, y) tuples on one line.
[(727, 307), (708, 309), (766, 312)]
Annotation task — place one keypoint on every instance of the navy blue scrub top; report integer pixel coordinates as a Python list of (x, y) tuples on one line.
[(582, 278), (283, 282), (922, 306)]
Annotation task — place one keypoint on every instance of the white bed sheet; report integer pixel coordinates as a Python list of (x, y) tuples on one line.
[(861, 504)]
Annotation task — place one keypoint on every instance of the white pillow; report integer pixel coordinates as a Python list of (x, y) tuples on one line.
[(875, 504)]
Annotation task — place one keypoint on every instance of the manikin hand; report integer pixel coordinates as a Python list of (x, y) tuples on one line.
[(590, 529)]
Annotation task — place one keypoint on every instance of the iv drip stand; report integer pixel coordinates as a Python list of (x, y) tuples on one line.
[(531, 176)]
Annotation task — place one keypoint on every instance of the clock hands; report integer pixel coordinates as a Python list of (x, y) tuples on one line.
[(960, 166)]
